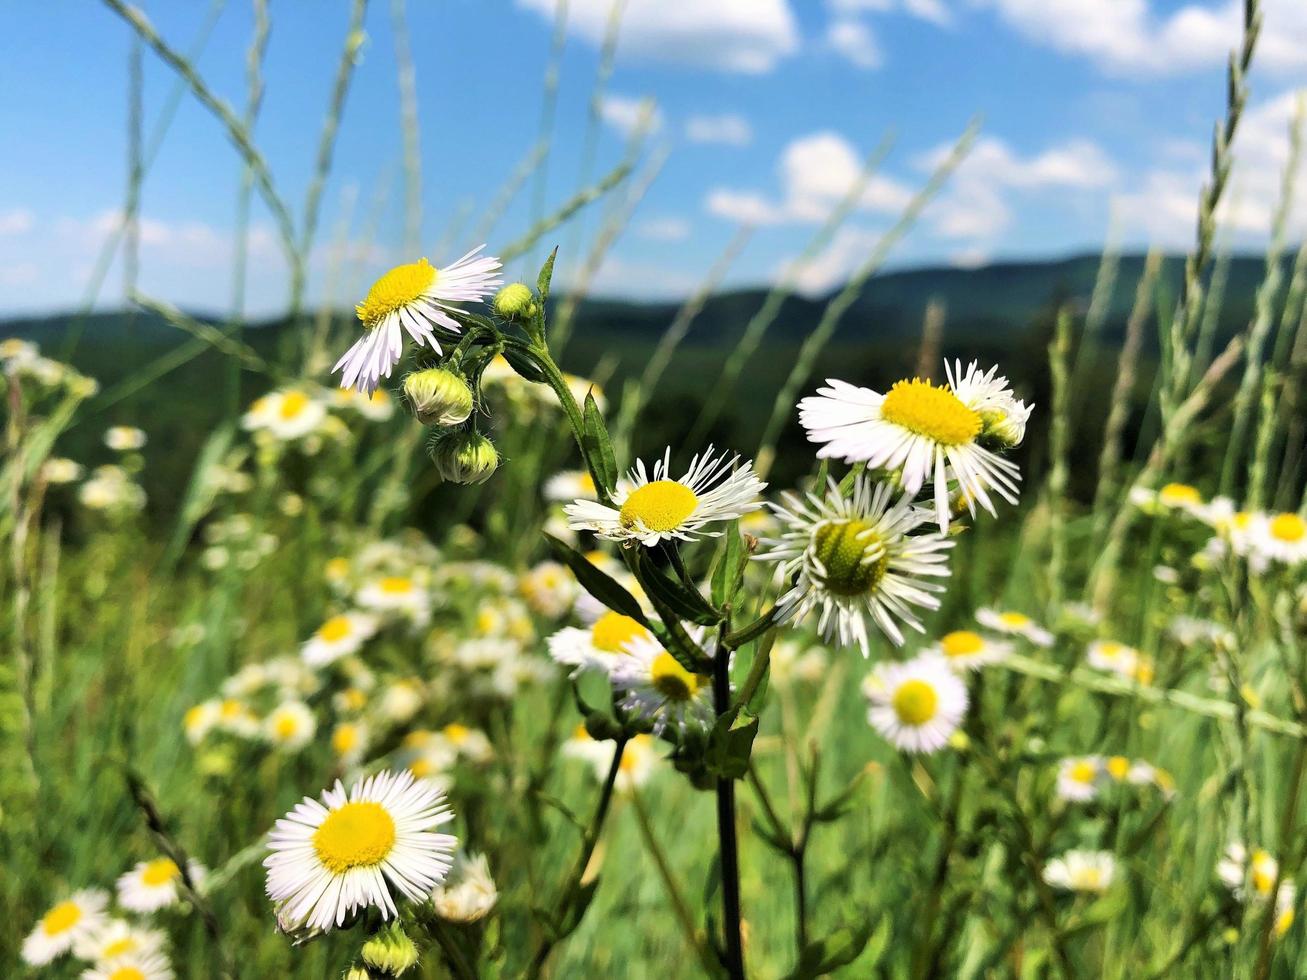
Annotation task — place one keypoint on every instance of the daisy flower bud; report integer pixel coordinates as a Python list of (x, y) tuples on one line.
[(465, 457), (390, 951), (515, 302), (438, 397)]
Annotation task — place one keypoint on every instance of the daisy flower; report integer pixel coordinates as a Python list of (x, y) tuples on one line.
[(916, 705), (288, 415), (600, 647), (412, 298), (396, 594), (338, 637), (1258, 869), (1003, 416), (1081, 871), (377, 407), (57, 470), (1079, 779), (550, 589), (1014, 624), (639, 758), (333, 857), (124, 438), (134, 966), (468, 893), (1118, 658), (657, 688), (290, 726), (966, 650), (852, 559), (349, 740), (922, 431), (570, 485), (201, 719), (118, 938), (152, 885), (1282, 538), (660, 509), (71, 921)]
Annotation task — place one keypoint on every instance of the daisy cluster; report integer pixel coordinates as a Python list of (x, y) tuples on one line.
[(130, 943)]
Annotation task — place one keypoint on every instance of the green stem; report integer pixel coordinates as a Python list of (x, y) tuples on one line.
[(728, 847)]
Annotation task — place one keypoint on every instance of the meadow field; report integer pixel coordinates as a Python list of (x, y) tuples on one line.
[(463, 624)]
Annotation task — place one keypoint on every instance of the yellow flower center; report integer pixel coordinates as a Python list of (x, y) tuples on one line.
[(671, 680), (659, 506), (586, 482), (396, 585), (353, 699), (1179, 493), (119, 947), (1264, 871), (1284, 921), (456, 733), (962, 643), (399, 287), (158, 872), (853, 556), (127, 973), (1118, 766), (1091, 879), (358, 835), (1289, 528), (1014, 620), (194, 717), (61, 918), (915, 702), (231, 710), (292, 404), (335, 629), (286, 726), (1083, 771), (1111, 649), (344, 738), (337, 568), (935, 413), (612, 631)]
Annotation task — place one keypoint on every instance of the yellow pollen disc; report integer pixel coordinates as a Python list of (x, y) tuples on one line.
[(915, 702), (1014, 620), (344, 738), (292, 404), (396, 585), (1091, 878), (286, 726), (1289, 528), (358, 835), (337, 568), (231, 710), (120, 947), (1111, 649), (456, 733), (629, 760), (335, 629), (127, 973), (586, 482), (1118, 766), (1284, 921), (353, 698), (660, 506), (417, 738), (1083, 771), (962, 643), (158, 872), (420, 768), (401, 286), (612, 631), (853, 556), (1179, 493), (193, 717), (61, 918), (671, 680), (935, 413)]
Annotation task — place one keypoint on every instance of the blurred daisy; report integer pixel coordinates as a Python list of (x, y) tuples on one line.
[(658, 689), (288, 415), (349, 740), (468, 893), (466, 743), (1239, 867), (59, 470), (1281, 538), (600, 646), (570, 485), (1118, 658), (923, 432), (1079, 779), (118, 938), (333, 857), (124, 438), (1014, 624), (396, 593), (793, 660), (71, 921), (401, 700), (338, 637), (852, 560), (201, 719), (549, 589), (377, 407), (290, 726), (133, 966), (1284, 902), (237, 718), (152, 885), (967, 650), (639, 758), (411, 299), (660, 509), (916, 705), (1081, 871)]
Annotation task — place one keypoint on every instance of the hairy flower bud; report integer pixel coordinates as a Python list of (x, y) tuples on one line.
[(390, 951), (438, 397), (515, 302), (464, 457)]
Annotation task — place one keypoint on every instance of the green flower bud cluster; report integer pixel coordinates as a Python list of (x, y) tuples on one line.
[(390, 952), (464, 457), (439, 397), (515, 302)]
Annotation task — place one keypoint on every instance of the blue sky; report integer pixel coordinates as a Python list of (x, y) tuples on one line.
[(1096, 114)]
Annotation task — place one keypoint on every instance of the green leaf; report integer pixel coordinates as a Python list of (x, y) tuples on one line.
[(772, 839), (598, 447), (730, 745), (523, 365), (835, 808), (600, 585), (729, 573), (680, 600), (841, 948), (546, 276)]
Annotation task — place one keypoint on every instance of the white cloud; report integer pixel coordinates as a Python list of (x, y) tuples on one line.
[(728, 129), (855, 43), (626, 115), (816, 171), (669, 229), (1125, 37), (932, 10), (969, 258), (747, 36), (830, 267), (16, 222)]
